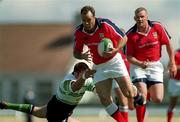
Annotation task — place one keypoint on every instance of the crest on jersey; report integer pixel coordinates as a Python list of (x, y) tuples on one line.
[(101, 35), (155, 35)]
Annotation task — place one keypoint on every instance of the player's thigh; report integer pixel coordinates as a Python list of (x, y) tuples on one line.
[(157, 92), (125, 85), (103, 88), (121, 98), (40, 111), (142, 87), (119, 93)]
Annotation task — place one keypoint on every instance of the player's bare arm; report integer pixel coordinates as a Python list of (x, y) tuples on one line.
[(142, 64), (86, 56), (172, 66), (76, 85)]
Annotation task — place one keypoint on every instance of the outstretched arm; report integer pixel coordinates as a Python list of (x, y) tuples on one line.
[(76, 85), (86, 55)]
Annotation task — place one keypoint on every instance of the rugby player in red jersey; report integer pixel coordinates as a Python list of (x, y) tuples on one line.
[(145, 40), (174, 89), (109, 66)]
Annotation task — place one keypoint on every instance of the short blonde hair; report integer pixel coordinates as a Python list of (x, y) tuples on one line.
[(139, 10)]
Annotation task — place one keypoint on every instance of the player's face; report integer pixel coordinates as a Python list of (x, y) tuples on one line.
[(141, 18), (79, 74), (88, 21)]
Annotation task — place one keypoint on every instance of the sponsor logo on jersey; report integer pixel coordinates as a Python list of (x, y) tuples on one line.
[(101, 35), (148, 44), (155, 35)]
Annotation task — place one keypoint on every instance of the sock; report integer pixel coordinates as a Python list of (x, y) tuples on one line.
[(118, 116), (148, 97), (26, 108), (113, 111), (125, 116), (170, 116), (124, 112), (140, 113)]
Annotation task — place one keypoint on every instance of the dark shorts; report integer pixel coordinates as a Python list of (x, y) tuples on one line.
[(58, 111), (146, 81)]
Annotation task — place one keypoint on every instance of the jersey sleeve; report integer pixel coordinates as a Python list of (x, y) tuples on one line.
[(164, 36), (66, 86), (129, 46), (114, 30), (78, 42), (177, 58)]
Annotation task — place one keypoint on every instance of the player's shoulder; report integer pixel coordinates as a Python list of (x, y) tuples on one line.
[(133, 29), (155, 24), (104, 21), (101, 19), (69, 77), (79, 28)]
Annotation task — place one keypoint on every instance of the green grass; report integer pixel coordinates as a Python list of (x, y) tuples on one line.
[(90, 119)]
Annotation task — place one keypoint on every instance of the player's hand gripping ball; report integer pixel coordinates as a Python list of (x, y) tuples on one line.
[(104, 46)]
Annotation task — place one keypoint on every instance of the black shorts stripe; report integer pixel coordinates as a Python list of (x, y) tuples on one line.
[(146, 81)]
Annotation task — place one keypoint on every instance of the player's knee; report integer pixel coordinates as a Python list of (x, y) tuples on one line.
[(157, 100), (139, 99), (128, 94), (105, 100)]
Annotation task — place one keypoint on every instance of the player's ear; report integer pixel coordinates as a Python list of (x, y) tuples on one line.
[(135, 18)]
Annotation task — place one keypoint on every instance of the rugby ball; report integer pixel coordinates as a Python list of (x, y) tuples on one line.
[(104, 46)]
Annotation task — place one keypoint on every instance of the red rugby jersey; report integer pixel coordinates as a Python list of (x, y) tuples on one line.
[(147, 47), (177, 59), (105, 29)]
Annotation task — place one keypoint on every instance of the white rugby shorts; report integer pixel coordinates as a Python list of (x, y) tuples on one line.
[(174, 87), (113, 68), (154, 72)]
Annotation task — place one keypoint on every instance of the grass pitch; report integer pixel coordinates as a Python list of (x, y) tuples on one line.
[(90, 119)]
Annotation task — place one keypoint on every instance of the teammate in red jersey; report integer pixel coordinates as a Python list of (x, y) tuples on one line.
[(145, 40), (174, 89), (109, 66)]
